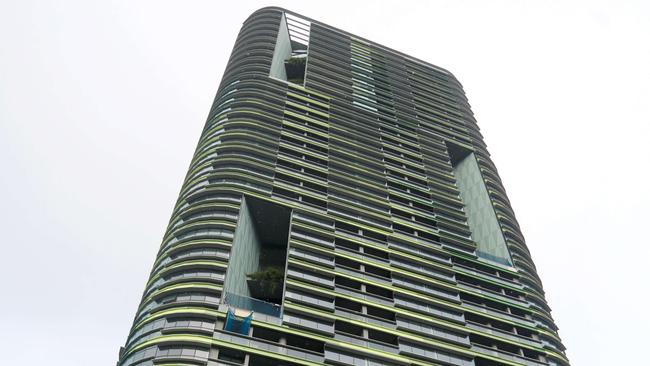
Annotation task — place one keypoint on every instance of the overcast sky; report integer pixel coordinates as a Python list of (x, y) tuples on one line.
[(102, 104)]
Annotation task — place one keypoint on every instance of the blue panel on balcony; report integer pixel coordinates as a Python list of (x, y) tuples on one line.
[(238, 324)]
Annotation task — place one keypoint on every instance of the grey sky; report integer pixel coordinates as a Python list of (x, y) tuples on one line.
[(102, 103)]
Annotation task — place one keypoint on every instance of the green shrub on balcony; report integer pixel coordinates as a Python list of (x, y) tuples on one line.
[(266, 283), (295, 68)]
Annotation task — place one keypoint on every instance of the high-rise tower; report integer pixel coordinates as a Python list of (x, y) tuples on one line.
[(341, 208)]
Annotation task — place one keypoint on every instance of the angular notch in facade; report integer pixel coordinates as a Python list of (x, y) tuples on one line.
[(290, 54), (256, 272), (481, 218)]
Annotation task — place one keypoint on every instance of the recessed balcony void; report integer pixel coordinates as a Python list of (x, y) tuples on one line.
[(290, 54), (256, 272), (481, 217)]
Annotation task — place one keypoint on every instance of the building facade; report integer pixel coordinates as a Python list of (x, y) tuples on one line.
[(341, 208)]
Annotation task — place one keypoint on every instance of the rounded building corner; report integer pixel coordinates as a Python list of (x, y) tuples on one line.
[(266, 9)]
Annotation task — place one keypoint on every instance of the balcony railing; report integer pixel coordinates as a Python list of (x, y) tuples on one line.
[(255, 305)]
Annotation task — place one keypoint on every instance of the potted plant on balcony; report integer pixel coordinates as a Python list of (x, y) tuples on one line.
[(295, 67), (266, 283)]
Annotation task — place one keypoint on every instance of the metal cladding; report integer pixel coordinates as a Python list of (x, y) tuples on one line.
[(341, 208)]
